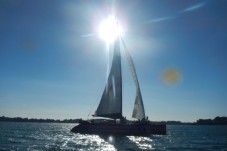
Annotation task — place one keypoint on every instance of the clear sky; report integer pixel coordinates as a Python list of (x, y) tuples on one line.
[(53, 64)]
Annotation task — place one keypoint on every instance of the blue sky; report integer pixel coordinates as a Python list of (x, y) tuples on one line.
[(53, 64)]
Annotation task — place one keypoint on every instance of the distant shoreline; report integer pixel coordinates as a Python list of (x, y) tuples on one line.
[(216, 121), (20, 119)]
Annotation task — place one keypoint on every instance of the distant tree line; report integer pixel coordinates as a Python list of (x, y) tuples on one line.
[(216, 121), (172, 122), (19, 119)]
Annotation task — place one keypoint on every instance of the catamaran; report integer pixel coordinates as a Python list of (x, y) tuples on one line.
[(110, 105)]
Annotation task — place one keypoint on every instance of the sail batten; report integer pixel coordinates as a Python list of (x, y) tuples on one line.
[(110, 105)]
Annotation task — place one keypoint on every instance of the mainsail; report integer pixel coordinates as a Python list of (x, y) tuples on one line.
[(138, 111), (110, 105)]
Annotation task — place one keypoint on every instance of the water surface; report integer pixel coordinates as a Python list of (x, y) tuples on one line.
[(57, 136)]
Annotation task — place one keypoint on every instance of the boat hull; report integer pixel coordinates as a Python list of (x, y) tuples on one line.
[(145, 129)]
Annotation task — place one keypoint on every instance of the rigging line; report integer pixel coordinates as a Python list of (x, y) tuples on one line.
[(92, 108), (122, 76), (93, 105)]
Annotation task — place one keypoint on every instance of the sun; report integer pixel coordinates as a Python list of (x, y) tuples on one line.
[(110, 29)]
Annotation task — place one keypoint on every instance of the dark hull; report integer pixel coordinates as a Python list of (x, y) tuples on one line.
[(144, 129)]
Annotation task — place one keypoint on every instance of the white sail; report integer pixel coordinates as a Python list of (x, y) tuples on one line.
[(138, 111), (110, 105)]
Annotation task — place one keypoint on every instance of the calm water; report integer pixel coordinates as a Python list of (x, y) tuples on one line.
[(50, 136)]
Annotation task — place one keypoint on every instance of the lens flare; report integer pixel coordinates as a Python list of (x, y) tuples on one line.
[(172, 76), (110, 29)]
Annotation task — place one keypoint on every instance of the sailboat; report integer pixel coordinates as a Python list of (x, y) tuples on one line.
[(110, 105)]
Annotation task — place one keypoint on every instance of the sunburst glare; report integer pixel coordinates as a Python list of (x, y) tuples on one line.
[(110, 29)]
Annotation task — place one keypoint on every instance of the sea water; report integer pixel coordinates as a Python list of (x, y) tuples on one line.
[(57, 136)]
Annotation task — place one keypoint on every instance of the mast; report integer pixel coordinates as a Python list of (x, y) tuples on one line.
[(110, 105), (138, 111)]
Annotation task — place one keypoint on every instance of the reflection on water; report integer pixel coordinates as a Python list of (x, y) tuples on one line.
[(91, 142), (142, 142), (50, 136)]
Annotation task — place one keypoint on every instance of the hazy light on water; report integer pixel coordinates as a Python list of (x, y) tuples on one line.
[(111, 139), (142, 142), (94, 142)]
